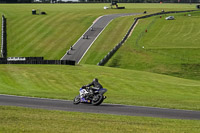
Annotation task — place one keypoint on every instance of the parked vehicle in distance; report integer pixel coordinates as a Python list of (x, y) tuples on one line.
[(170, 18)]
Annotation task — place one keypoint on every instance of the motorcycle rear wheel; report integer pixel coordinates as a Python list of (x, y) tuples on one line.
[(98, 99), (77, 100)]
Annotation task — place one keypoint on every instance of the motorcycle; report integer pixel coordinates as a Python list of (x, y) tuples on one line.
[(88, 95)]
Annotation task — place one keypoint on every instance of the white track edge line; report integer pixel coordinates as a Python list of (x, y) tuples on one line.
[(84, 33), (94, 41)]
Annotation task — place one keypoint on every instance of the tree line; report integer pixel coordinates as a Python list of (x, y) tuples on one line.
[(104, 1), (145, 1)]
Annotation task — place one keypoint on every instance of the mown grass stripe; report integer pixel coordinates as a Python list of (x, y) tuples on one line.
[(59, 40), (38, 37), (30, 24), (22, 34)]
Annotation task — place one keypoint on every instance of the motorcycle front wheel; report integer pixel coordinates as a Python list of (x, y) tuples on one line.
[(77, 100)]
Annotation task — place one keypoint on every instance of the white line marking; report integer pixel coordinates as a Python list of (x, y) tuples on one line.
[(84, 34), (94, 41), (98, 34)]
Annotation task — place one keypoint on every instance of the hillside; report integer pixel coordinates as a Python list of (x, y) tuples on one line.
[(168, 47), (129, 86), (124, 86), (126, 80), (52, 34)]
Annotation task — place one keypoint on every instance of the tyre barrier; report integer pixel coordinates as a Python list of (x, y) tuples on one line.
[(34, 60), (3, 61), (52, 62), (114, 50)]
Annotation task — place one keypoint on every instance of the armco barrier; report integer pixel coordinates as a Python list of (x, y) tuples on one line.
[(114, 50), (3, 38)]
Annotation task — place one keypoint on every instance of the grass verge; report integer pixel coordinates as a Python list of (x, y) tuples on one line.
[(124, 86), (17, 119)]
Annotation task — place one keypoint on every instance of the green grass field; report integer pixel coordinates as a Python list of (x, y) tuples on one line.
[(15, 119), (170, 47), (124, 86), (51, 35)]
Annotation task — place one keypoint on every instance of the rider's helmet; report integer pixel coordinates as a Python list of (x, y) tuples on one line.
[(95, 79)]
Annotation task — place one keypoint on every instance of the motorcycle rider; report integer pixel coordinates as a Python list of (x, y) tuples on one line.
[(96, 86), (93, 95)]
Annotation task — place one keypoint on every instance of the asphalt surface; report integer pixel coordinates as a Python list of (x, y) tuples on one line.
[(83, 44), (64, 105)]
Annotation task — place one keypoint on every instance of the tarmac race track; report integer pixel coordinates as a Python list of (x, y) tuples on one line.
[(82, 45), (116, 109)]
